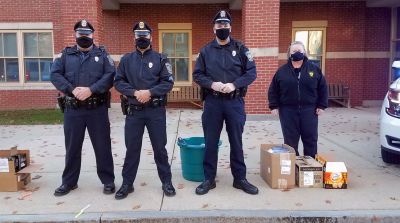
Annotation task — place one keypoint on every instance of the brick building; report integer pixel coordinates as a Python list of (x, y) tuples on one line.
[(354, 42)]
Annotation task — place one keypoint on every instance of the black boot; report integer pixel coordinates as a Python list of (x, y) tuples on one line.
[(64, 190), (204, 187), (124, 191), (109, 188), (245, 186), (168, 189)]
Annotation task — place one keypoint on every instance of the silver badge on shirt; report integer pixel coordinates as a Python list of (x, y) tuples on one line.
[(234, 53)]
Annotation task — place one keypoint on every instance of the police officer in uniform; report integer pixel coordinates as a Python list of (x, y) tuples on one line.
[(223, 70), (144, 77), (298, 92), (85, 73)]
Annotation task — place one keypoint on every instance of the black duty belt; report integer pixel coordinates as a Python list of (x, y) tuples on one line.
[(240, 92), (92, 102), (128, 109)]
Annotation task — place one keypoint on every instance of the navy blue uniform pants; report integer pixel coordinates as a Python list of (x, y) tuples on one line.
[(300, 122), (216, 111), (154, 119), (96, 121)]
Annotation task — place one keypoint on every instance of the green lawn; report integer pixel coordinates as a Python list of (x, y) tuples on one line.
[(31, 117)]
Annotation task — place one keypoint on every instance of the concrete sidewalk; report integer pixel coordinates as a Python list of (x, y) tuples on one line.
[(349, 135)]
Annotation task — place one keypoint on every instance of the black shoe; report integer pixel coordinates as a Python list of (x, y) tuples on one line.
[(124, 191), (168, 189), (204, 187), (245, 186), (64, 190), (109, 188)]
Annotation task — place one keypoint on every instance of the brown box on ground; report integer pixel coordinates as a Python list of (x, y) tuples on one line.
[(277, 165), (309, 172), (15, 169)]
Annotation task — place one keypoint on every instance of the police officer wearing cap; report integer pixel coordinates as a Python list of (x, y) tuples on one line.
[(224, 69), (84, 73), (298, 93), (144, 77)]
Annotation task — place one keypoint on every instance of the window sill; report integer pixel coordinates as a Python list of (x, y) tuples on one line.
[(183, 84), (27, 86)]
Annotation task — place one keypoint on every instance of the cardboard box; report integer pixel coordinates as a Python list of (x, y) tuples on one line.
[(309, 172), (335, 175), (277, 165), (15, 169)]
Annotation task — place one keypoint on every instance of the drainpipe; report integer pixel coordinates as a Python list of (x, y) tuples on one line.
[(393, 38)]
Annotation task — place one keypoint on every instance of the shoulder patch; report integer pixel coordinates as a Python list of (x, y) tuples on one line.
[(58, 55), (110, 60), (169, 67), (249, 56)]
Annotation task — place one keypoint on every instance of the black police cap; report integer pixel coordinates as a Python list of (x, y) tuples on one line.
[(83, 27), (222, 16), (142, 28)]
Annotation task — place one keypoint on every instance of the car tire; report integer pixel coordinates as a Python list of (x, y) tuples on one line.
[(390, 157)]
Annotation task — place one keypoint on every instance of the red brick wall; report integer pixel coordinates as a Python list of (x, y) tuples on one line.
[(351, 27), (261, 30), (27, 99)]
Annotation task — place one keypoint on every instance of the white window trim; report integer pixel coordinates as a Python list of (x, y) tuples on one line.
[(20, 54)]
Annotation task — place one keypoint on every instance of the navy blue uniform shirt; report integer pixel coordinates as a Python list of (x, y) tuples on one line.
[(230, 63), (95, 70), (148, 71)]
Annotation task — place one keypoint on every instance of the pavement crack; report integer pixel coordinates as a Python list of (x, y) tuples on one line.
[(173, 152)]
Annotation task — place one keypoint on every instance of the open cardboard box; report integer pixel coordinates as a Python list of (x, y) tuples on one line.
[(335, 173), (309, 172), (277, 165), (12, 179)]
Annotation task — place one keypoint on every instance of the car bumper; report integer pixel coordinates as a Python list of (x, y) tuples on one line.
[(389, 131)]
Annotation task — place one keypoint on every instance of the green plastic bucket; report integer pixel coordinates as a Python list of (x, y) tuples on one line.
[(192, 156)]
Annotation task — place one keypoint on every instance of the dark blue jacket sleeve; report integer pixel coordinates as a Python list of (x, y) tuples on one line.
[(106, 82), (121, 83), (57, 77), (199, 73), (249, 69), (273, 93), (322, 92), (166, 80)]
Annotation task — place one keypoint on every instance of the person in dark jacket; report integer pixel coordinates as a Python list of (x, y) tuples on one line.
[(144, 77), (223, 70), (85, 73), (298, 93)]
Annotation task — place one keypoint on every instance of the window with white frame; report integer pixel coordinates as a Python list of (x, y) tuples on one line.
[(25, 56), (9, 69)]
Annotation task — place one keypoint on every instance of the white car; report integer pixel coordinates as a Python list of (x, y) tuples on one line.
[(390, 122)]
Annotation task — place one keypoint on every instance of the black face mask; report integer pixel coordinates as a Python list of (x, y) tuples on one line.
[(84, 41), (297, 56), (223, 33), (142, 43)]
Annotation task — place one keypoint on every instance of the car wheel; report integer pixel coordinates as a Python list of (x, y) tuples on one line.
[(390, 157)]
